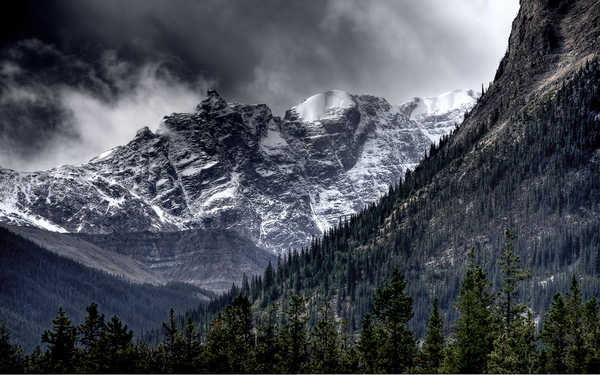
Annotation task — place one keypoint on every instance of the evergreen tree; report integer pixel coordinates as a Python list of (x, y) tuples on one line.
[(368, 345), (514, 349), (91, 339), (349, 359), (35, 362), (514, 345), (392, 308), (120, 352), (475, 324), (267, 348), (190, 348), (554, 337), (230, 339), (239, 320), (433, 347), (216, 353), (325, 343), (512, 275), (576, 350), (591, 336), (169, 346), (293, 340), (61, 352), (11, 359)]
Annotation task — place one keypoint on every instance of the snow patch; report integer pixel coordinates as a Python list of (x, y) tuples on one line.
[(193, 170), (104, 155), (444, 103), (324, 105)]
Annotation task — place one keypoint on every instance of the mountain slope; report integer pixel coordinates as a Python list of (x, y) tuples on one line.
[(209, 259), (35, 282), (526, 157), (277, 182)]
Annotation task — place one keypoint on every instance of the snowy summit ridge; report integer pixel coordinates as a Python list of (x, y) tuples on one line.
[(324, 105), (276, 181)]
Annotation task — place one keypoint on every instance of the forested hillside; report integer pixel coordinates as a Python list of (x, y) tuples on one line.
[(34, 283), (526, 157), (493, 334)]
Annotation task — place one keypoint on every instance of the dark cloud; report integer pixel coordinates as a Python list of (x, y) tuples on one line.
[(271, 51)]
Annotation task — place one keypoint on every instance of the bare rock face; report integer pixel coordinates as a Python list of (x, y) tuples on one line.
[(275, 181)]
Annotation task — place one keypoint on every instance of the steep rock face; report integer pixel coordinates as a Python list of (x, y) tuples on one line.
[(229, 166), (209, 259)]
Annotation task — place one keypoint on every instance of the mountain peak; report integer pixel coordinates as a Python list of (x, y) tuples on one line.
[(144, 132), (213, 102), (324, 105)]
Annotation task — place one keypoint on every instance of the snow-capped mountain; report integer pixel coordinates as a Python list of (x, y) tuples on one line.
[(276, 181)]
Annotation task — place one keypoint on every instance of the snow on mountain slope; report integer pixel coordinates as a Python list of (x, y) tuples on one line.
[(277, 182), (439, 115), (324, 105)]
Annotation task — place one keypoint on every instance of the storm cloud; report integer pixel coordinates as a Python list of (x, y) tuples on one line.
[(77, 77)]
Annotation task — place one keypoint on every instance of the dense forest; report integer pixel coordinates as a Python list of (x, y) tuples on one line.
[(493, 333)]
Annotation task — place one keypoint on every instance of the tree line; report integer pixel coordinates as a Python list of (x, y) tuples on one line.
[(493, 333)]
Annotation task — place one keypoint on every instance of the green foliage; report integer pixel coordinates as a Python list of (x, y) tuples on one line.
[(514, 348), (475, 326), (61, 352), (432, 353), (293, 339), (392, 310), (237, 343), (554, 337), (368, 346), (512, 274), (325, 343)]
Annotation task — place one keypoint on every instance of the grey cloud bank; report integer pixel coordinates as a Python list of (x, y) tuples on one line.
[(77, 77)]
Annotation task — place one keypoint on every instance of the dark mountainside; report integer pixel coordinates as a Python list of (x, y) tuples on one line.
[(527, 157), (35, 282), (210, 259)]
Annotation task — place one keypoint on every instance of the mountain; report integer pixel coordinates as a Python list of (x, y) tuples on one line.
[(526, 157), (208, 259), (35, 282), (276, 181)]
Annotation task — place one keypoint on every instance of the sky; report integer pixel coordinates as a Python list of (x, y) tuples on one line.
[(80, 76)]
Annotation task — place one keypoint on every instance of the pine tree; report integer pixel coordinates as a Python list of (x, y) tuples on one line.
[(120, 353), (325, 343), (230, 340), (91, 339), (349, 358), (61, 352), (293, 341), (554, 337), (514, 348), (512, 275), (576, 350), (392, 308), (368, 345), (433, 347), (591, 332), (238, 318), (191, 348), (170, 344), (11, 359), (514, 345), (267, 348), (475, 325)]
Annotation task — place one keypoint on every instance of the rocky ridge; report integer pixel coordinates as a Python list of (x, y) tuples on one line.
[(228, 166)]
